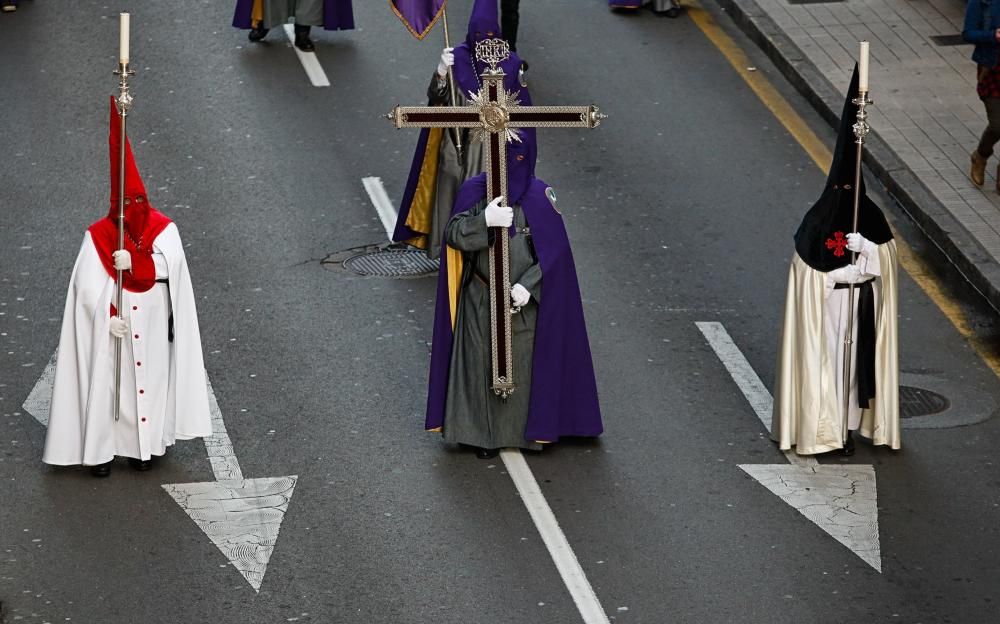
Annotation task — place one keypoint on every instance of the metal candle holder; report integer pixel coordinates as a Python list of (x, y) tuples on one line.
[(861, 130), (124, 103)]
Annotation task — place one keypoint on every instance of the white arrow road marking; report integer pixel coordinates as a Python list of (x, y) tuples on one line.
[(39, 401), (555, 540), (841, 500), (309, 61), (241, 516), (380, 199)]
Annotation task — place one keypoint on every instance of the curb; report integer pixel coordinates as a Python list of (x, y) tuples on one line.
[(912, 196)]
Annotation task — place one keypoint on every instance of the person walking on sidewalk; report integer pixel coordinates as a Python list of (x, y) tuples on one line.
[(982, 28)]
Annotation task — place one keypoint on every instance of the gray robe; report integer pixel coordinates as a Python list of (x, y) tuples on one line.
[(450, 175), (305, 12), (474, 415)]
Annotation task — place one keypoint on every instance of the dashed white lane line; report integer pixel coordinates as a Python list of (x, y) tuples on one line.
[(747, 380), (309, 61), (548, 527), (380, 199)]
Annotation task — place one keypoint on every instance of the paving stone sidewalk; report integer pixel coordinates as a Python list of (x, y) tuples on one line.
[(927, 115)]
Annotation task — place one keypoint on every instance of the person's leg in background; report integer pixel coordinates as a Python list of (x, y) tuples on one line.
[(990, 137), (508, 21)]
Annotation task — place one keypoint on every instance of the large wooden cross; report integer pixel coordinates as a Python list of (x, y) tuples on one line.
[(495, 114)]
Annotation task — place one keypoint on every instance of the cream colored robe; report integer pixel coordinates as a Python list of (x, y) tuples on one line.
[(808, 409)]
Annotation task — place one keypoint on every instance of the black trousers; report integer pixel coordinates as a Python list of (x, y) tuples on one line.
[(508, 21), (992, 132)]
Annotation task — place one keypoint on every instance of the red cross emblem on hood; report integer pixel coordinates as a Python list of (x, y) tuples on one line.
[(837, 243)]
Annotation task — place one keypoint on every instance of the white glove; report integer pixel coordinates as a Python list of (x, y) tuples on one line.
[(123, 260), (519, 295), (849, 274), (447, 60), (497, 215), (119, 326), (859, 244)]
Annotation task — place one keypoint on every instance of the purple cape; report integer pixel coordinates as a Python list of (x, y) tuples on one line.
[(337, 15), (625, 4), (563, 388), (403, 232)]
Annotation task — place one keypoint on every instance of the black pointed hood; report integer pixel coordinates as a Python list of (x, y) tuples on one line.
[(821, 239)]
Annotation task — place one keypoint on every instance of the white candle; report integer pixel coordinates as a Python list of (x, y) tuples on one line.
[(863, 68), (123, 40)]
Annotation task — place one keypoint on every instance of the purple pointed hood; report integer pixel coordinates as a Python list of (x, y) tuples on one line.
[(521, 157), (484, 23)]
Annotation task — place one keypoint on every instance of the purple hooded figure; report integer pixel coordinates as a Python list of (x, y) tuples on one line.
[(556, 392), (259, 16), (437, 172)]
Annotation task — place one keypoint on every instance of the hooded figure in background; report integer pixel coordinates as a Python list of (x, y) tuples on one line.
[(259, 16), (164, 395), (556, 392), (809, 389), (437, 172)]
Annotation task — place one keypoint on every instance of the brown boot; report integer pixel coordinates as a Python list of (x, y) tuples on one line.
[(978, 172), (998, 178)]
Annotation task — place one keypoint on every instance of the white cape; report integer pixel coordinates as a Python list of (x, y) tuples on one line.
[(164, 395), (808, 413)]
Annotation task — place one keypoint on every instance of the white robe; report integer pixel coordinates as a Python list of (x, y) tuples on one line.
[(808, 394), (164, 396)]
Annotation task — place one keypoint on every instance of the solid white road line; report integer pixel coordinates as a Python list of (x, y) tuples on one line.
[(309, 61), (747, 380), (566, 562), (380, 199)]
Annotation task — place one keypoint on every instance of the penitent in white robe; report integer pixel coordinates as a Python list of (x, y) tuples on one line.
[(809, 387), (164, 395)]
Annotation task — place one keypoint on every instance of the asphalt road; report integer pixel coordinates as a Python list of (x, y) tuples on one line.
[(681, 209)]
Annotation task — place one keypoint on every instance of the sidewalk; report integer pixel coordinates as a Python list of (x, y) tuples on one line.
[(926, 116)]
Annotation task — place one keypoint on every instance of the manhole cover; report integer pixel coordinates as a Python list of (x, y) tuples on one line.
[(920, 402), (392, 263)]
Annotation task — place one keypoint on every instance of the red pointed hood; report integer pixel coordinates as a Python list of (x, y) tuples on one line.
[(143, 223), (136, 203)]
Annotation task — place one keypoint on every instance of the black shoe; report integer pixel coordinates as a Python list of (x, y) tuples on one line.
[(101, 470), (142, 465), (257, 33), (848, 445), (303, 42), (484, 453)]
